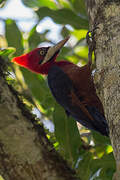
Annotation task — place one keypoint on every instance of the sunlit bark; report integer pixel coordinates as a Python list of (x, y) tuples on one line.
[(105, 15), (25, 152)]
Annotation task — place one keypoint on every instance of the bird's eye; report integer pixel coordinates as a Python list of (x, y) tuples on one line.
[(42, 52)]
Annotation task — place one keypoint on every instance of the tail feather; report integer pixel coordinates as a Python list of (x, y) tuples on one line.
[(100, 123)]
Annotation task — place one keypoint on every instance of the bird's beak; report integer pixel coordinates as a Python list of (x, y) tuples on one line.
[(52, 50)]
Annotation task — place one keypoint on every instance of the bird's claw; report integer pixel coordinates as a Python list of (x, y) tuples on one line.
[(90, 38), (91, 43)]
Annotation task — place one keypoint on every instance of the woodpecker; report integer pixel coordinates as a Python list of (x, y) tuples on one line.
[(72, 86)]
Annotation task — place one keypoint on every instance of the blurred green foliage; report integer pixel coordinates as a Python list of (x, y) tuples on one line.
[(90, 154)]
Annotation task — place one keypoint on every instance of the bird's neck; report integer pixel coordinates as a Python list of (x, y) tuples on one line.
[(44, 70), (63, 63)]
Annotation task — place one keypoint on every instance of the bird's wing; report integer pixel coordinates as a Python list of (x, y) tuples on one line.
[(65, 94)]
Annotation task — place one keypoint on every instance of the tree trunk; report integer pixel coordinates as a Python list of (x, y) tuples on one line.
[(105, 15), (25, 152)]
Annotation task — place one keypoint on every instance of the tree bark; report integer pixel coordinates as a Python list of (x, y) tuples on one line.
[(105, 16), (25, 152)]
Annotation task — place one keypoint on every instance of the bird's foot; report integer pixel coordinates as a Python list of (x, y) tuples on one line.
[(90, 38)]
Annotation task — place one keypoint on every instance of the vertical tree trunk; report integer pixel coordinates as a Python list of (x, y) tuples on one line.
[(105, 14), (25, 152)]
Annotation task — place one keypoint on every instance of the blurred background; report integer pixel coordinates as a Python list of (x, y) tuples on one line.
[(25, 25)]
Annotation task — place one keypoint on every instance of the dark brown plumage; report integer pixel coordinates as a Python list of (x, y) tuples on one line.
[(71, 85)]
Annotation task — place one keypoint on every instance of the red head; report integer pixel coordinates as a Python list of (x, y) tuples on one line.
[(40, 59)]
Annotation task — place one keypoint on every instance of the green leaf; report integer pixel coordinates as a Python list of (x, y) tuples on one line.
[(106, 164), (40, 91), (64, 3), (100, 139), (63, 16), (82, 51), (1, 178), (8, 51), (67, 134), (36, 38), (88, 166), (84, 166), (14, 36), (74, 59), (79, 34), (63, 53), (79, 7), (40, 3)]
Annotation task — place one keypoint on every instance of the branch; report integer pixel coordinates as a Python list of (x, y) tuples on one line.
[(106, 16), (25, 151)]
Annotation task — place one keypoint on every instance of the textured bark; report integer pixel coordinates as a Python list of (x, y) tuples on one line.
[(105, 14), (25, 152)]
